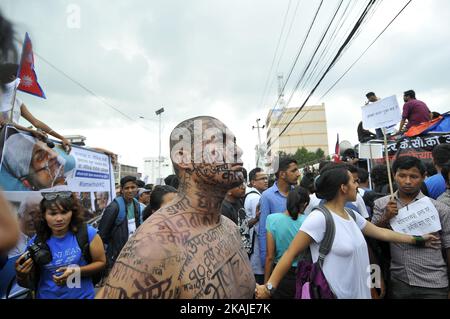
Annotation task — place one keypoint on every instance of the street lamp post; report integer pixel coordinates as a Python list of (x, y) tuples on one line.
[(159, 112), (258, 148)]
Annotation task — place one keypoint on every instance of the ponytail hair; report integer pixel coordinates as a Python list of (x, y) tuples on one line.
[(297, 200), (330, 181)]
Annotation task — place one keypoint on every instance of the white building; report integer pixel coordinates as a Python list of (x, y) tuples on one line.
[(151, 170), (309, 130)]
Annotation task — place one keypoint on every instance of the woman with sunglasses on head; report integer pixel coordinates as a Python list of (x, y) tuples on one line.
[(58, 268)]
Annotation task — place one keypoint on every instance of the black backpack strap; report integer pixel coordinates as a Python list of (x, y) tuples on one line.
[(83, 242), (252, 192), (328, 238)]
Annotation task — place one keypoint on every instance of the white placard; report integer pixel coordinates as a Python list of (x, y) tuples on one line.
[(370, 151), (383, 113), (419, 218)]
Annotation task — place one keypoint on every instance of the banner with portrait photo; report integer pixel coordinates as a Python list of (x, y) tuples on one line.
[(29, 165)]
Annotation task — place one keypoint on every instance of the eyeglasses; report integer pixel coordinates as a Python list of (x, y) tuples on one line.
[(55, 195)]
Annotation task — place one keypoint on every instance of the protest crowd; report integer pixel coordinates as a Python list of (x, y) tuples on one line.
[(340, 229)]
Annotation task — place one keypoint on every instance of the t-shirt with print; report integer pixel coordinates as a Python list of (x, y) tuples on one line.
[(65, 251), (346, 266)]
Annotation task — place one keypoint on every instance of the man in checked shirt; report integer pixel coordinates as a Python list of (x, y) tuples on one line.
[(416, 272)]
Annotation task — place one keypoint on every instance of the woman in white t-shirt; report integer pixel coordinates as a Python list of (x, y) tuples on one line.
[(346, 267)]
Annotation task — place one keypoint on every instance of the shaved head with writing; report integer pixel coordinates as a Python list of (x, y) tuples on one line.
[(187, 249)]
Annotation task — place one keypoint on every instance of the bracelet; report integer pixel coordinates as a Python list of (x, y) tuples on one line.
[(420, 241)]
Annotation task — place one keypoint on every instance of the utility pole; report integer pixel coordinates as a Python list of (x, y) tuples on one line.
[(280, 108), (159, 112), (258, 151)]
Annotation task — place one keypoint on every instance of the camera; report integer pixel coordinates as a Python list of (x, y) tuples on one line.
[(39, 254)]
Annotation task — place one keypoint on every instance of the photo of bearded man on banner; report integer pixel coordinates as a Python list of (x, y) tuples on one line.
[(29, 164)]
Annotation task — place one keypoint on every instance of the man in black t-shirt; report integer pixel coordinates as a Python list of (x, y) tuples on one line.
[(232, 208)]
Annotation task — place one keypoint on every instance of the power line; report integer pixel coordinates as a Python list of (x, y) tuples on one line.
[(309, 79), (275, 55), (341, 22), (298, 54), (314, 54), (85, 88), (344, 45), (339, 25), (282, 54), (365, 51), (369, 16), (101, 99)]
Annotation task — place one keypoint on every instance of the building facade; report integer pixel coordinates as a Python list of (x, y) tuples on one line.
[(121, 170), (151, 170), (309, 130)]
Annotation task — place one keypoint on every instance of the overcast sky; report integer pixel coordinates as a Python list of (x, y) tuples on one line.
[(213, 58)]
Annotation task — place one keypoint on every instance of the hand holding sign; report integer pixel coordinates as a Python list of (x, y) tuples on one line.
[(417, 219), (431, 241)]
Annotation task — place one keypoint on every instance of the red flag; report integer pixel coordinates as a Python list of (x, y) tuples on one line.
[(26, 73), (337, 151)]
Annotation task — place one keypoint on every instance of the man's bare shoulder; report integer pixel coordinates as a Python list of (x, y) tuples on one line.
[(228, 223), (149, 263)]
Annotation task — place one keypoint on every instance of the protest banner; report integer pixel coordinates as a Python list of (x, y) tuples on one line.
[(417, 219), (29, 165), (383, 113), (420, 147)]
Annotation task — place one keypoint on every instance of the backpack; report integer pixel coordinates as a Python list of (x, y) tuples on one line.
[(311, 282), (244, 231), (83, 242), (251, 247), (122, 213)]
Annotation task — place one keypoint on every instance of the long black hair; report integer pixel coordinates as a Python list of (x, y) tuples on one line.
[(297, 200), (72, 203)]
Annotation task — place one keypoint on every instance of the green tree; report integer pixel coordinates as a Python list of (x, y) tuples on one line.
[(303, 156)]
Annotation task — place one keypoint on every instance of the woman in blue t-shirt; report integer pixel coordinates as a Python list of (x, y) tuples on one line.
[(281, 230), (68, 275)]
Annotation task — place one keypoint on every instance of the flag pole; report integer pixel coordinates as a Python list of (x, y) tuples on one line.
[(13, 104), (369, 167), (391, 188)]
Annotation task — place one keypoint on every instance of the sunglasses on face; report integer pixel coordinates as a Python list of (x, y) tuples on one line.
[(55, 195)]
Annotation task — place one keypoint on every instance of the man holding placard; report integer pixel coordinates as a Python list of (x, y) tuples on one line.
[(416, 272)]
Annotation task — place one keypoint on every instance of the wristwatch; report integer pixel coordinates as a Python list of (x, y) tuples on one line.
[(270, 288)]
